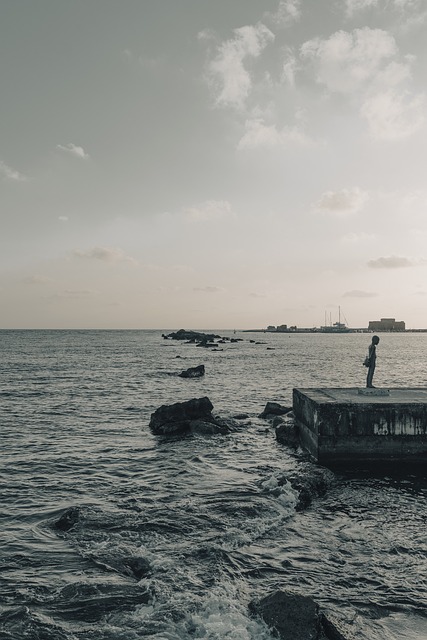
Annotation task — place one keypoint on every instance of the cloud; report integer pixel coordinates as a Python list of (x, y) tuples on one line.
[(208, 289), (74, 150), (35, 280), (209, 210), (288, 12), (73, 294), (357, 293), (354, 6), (346, 62), (259, 134), (358, 238), (230, 79), (11, 174), (393, 116), (390, 262), (104, 254), (344, 202), (290, 67)]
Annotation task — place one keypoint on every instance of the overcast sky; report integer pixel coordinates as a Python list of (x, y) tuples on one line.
[(212, 163)]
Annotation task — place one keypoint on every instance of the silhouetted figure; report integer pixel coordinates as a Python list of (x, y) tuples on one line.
[(372, 358)]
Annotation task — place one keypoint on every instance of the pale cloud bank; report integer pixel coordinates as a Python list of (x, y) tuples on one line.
[(259, 134), (288, 12), (393, 116), (104, 254), (11, 174), (357, 293), (230, 80), (390, 262), (366, 63), (36, 280), (74, 150), (343, 202), (346, 62), (209, 210), (208, 289)]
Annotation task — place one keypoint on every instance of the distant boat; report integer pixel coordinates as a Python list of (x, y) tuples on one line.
[(336, 327)]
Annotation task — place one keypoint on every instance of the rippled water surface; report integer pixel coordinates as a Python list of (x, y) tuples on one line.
[(173, 537)]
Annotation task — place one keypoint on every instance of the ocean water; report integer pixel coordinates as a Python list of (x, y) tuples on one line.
[(174, 537)]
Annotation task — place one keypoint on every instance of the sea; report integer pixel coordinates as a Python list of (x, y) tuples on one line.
[(171, 538)]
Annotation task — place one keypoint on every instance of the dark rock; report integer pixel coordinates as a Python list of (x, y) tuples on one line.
[(274, 409), (277, 421), (68, 519), (194, 336), (331, 628), (201, 426), (311, 482), (240, 416), (206, 343), (139, 567), (292, 616), (228, 424), (193, 372), (287, 433), (176, 418)]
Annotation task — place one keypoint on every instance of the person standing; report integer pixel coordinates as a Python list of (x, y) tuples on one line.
[(372, 358)]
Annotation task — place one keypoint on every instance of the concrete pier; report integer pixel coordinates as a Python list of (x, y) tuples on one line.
[(348, 426)]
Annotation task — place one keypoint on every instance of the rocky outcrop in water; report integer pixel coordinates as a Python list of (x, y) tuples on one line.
[(295, 617), (272, 409), (287, 432), (310, 482), (193, 336), (69, 518), (191, 416), (193, 372)]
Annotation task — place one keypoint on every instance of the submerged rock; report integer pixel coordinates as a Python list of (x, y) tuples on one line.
[(68, 519), (292, 616), (138, 567), (191, 416), (272, 409), (193, 372), (193, 336), (310, 482), (176, 418), (287, 433), (295, 617)]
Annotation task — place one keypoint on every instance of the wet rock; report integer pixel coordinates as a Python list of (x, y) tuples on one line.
[(292, 616), (176, 418), (193, 336), (240, 416), (295, 617), (193, 372), (68, 519), (206, 343), (287, 433), (201, 426), (139, 567), (272, 409), (310, 482), (331, 628)]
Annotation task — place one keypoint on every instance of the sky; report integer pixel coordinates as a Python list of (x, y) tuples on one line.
[(212, 163)]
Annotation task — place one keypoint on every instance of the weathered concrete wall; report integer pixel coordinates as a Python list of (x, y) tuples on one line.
[(341, 425)]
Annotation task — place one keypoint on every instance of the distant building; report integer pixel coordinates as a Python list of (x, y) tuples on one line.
[(386, 324), (282, 327)]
